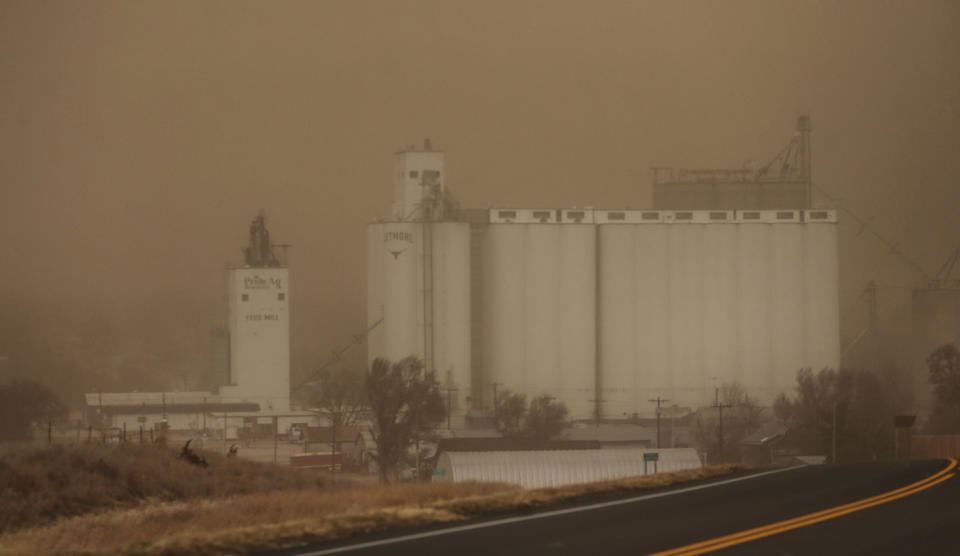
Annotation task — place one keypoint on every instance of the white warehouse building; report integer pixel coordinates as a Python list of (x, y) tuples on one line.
[(601, 309)]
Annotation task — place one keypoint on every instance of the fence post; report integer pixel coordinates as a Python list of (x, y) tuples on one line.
[(49, 432)]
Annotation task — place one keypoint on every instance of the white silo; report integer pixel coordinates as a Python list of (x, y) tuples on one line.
[(576, 377), (503, 307), (451, 308), (720, 298), (400, 248), (685, 299), (539, 296), (653, 317), (787, 300), (821, 294), (616, 318), (754, 319), (542, 300), (418, 298)]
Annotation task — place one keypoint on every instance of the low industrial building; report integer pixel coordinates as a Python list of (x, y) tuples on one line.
[(257, 394)]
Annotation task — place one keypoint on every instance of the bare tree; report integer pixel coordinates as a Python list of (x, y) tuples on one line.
[(510, 411), (404, 401), (853, 409), (24, 403), (546, 418), (339, 398), (742, 416)]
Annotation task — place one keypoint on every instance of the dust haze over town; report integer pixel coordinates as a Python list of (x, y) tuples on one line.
[(139, 140)]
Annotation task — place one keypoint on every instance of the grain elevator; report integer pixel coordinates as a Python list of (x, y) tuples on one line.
[(601, 309)]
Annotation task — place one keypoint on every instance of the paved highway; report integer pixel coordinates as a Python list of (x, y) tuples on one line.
[(871, 508)]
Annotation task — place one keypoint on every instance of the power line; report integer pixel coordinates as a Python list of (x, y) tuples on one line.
[(865, 226), (337, 354)]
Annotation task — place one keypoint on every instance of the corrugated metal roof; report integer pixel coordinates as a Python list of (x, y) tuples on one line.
[(500, 444), (140, 403), (612, 433), (138, 398), (538, 469)]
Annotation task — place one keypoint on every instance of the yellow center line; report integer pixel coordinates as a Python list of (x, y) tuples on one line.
[(809, 519)]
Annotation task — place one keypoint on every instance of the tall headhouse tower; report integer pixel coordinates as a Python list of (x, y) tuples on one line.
[(418, 183), (418, 287), (258, 319)]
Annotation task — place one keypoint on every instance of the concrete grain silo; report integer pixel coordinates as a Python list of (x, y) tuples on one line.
[(602, 310)]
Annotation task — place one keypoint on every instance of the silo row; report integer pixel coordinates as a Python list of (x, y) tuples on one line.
[(639, 310), (683, 308), (539, 310)]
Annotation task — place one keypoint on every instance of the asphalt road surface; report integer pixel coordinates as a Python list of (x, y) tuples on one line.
[(870, 508)]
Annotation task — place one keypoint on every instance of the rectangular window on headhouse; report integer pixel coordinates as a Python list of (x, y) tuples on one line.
[(431, 177), (650, 216), (718, 216), (281, 296), (684, 216), (616, 216), (784, 215), (576, 215), (507, 214), (818, 215), (244, 297), (751, 216), (542, 215)]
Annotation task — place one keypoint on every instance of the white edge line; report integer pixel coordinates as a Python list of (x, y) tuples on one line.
[(551, 513)]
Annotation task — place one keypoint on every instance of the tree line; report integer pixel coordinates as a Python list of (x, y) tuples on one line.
[(401, 403)]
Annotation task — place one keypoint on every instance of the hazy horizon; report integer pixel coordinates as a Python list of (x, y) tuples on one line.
[(139, 140)]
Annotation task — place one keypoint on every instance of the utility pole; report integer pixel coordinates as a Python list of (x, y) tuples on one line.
[(596, 411), (833, 441), (333, 447), (495, 411), (276, 426), (720, 407), (658, 400), (450, 392)]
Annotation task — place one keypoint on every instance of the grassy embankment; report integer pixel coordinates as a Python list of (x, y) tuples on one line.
[(141, 499)]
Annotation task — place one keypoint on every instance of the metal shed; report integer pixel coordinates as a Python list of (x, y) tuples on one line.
[(551, 468)]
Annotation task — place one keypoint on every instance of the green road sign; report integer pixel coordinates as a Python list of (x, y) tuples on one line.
[(439, 471), (651, 456)]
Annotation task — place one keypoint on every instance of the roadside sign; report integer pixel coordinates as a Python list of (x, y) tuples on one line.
[(651, 456), (439, 471), (904, 421)]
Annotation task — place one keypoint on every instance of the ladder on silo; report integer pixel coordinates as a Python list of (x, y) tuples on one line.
[(428, 296)]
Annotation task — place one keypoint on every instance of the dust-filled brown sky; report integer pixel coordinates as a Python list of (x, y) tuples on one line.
[(137, 140)]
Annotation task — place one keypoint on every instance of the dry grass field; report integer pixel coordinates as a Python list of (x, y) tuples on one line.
[(143, 500), (40, 484)]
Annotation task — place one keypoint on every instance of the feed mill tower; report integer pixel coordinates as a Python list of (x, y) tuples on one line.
[(258, 323), (604, 309)]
